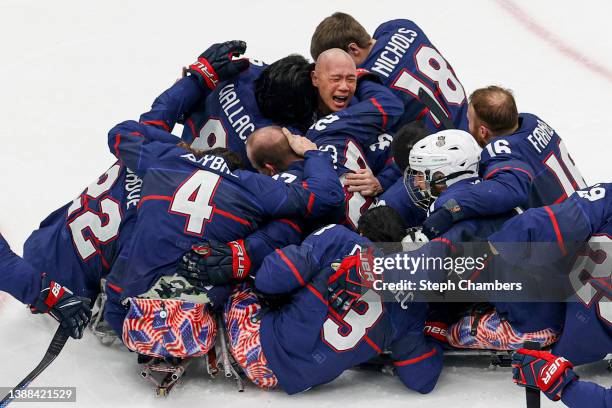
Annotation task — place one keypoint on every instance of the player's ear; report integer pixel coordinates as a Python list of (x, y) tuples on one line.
[(315, 80), (353, 50), (269, 170)]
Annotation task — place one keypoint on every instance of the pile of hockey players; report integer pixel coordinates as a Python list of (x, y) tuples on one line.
[(248, 242)]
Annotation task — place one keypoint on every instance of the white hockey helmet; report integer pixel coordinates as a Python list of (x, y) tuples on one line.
[(440, 159)]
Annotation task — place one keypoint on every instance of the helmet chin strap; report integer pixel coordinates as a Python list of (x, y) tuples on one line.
[(450, 177)]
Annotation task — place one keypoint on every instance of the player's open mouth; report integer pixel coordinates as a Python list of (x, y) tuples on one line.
[(340, 100)]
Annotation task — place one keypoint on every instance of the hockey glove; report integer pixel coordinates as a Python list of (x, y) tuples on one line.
[(71, 311), (216, 63), (437, 331), (353, 277), (215, 263), (542, 370)]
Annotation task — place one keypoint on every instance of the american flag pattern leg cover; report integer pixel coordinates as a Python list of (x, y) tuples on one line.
[(242, 325), (494, 333), (168, 328)]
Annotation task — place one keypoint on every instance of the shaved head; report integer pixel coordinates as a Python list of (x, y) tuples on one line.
[(268, 150), (335, 77)]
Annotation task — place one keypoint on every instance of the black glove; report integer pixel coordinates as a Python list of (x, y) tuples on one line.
[(215, 263), (71, 311), (442, 219), (216, 63), (352, 278)]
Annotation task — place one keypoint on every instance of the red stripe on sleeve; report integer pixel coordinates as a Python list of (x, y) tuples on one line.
[(488, 176), (292, 225), (416, 359), (154, 197), (310, 204), (380, 108), (292, 267), (555, 224), (372, 344), (161, 123), (117, 141), (316, 293), (231, 216)]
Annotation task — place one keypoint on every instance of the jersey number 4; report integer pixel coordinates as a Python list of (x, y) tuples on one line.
[(193, 199)]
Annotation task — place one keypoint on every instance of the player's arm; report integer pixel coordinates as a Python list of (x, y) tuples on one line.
[(586, 394), (320, 191), (418, 361), (286, 269), (18, 277), (217, 263), (213, 65), (138, 145), (505, 186)]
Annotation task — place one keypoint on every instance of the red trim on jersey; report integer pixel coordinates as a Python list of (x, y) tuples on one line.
[(305, 184), (372, 344), (445, 241), (117, 141), (380, 108), (508, 168), (292, 268), (416, 359), (189, 123), (291, 224), (114, 287), (555, 224), (316, 293), (157, 123), (560, 199), (154, 197), (231, 216), (310, 204)]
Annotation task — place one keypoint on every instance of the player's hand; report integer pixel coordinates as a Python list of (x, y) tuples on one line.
[(542, 370), (217, 64), (364, 182), (437, 223), (215, 263), (299, 144), (352, 278), (71, 311)]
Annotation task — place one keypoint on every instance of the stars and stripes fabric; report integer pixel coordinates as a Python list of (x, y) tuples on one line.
[(494, 333), (242, 321), (169, 328)]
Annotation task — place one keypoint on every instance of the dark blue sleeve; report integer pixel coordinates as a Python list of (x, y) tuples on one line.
[(580, 394), (418, 361), (389, 175), (138, 145), (319, 194), (397, 198), (170, 107), (274, 235), (286, 270), (596, 204), (18, 277), (506, 185)]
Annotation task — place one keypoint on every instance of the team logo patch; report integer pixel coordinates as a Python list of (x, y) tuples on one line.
[(441, 141), (168, 328)]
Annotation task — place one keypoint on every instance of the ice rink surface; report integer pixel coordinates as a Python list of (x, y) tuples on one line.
[(70, 70)]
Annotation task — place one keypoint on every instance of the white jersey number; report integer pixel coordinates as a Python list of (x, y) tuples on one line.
[(358, 323), (598, 263), (434, 67), (570, 176), (193, 200), (212, 135)]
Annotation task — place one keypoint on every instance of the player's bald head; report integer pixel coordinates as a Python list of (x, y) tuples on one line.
[(269, 146), (332, 58)]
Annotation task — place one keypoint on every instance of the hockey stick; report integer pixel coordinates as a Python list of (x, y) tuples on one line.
[(435, 109), (57, 343), (532, 396)]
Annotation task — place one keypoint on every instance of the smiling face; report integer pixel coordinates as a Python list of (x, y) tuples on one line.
[(335, 77)]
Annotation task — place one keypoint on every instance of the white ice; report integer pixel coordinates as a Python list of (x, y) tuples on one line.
[(72, 69)]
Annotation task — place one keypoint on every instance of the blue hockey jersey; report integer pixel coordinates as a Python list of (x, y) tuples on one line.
[(348, 133), (307, 343), (397, 198), (77, 244), (18, 278), (224, 117), (186, 199), (586, 217), (407, 62)]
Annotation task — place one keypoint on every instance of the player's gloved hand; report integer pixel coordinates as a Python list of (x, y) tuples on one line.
[(436, 330), (216, 63), (442, 219), (353, 277), (542, 370), (215, 263), (71, 311)]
